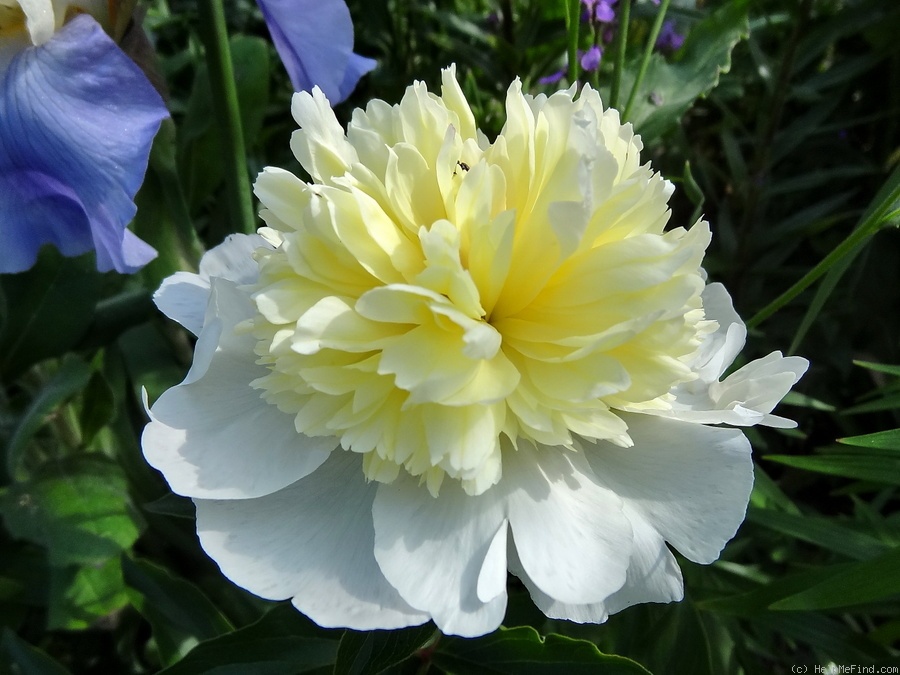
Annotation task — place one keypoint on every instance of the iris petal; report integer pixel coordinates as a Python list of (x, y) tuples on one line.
[(314, 39), (77, 118)]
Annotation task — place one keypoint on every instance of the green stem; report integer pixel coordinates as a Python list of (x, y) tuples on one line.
[(645, 61), (225, 100), (621, 44), (866, 229), (573, 23)]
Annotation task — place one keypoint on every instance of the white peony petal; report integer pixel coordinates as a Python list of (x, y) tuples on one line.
[(183, 296), (434, 551), (313, 542), (759, 386), (492, 578), (720, 348), (747, 396), (595, 612), (213, 436), (689, 482), (570, 533), (653, 576), (233, 259), (653, 572)]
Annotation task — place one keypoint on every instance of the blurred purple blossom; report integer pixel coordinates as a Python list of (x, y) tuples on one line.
[(553, 78), (599, 10), (669, 39), (590, 60)]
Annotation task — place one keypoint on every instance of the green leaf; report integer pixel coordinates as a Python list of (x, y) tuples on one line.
[(17, 656), (669, 89), (50, 308), (693, 192), (71, 378), (767, 494), (879, 367), (755, 602), (864, 582), (81, 595), (887, 402), (179, 613), (251, 76), (283, 641), (521, 651), (172, 505), (98, 407), (883, 440), (878, 469), (828, 534), (371, 652), (78, 509)]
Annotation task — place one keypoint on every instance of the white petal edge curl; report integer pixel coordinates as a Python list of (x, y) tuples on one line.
[(747, 396), (439, 552), (569, 530), (311, 541), (183, 296), (691, 483), (213, 436)]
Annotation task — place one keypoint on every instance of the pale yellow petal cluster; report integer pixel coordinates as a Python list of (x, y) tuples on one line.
[(434, 297)]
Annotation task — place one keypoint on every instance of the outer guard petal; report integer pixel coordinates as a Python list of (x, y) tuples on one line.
[(78, 115), (315, 41), (570, 533), (213, 436), (653, 576), (434, 550), (689, 482), (312, 541)]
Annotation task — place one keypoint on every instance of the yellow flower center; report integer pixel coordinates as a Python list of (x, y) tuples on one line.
[(434, 298)]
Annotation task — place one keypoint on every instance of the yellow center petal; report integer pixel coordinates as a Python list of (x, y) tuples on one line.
[(432, 292)]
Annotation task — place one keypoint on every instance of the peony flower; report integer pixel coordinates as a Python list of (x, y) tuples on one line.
[(314, 39), (450, 358), (77, 118)]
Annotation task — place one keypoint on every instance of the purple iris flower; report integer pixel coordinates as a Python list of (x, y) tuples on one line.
[(315, 41), (77, 119)]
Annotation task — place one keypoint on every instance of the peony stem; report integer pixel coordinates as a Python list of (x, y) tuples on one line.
[(225, 100)]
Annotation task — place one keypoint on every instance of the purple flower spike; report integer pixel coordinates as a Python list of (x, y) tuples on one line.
[(590, 60), (77, 119), (315, 41)]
